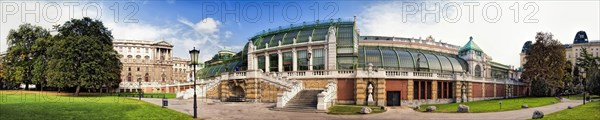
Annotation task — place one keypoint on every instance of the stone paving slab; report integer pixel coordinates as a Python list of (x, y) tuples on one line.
[(208, 109)]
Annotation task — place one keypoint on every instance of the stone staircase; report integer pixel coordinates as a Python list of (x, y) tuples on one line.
[(305, 101)]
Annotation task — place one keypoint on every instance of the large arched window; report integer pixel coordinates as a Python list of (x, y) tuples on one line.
[(477, 71), (129, 77), (147, 77)]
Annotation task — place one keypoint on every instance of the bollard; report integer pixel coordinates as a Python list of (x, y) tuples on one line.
[(165, 102)]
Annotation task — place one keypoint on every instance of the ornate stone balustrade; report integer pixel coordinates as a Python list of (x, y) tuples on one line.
[(325, 99), (286, 96)]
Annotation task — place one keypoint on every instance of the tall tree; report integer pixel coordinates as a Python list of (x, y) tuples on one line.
[(568, 78), (83, 56), (544, 66), (590, 65), (19, 56)]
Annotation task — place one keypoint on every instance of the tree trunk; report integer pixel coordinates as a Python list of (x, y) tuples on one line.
[(26, 86), (77, 90)]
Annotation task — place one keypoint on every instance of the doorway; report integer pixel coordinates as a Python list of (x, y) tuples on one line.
[(393, 98)]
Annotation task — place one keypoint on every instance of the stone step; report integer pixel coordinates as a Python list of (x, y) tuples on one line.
[(302, 110)]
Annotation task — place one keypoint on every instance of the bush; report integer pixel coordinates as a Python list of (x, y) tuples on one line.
[(539, 88)]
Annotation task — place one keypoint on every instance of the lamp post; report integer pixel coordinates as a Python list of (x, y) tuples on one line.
[(140, 92), (582, 71), (194, 61)]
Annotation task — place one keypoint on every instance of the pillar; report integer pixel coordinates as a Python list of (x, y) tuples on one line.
[(267, 62), (380, 92), (294, 59), (279, 61), (361, 88), (251, 89), (434, 90), (410, 94)]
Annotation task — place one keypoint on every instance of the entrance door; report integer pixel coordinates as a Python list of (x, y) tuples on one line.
[(393, 98)]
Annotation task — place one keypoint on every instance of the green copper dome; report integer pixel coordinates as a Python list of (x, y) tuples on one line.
[(470, 46)]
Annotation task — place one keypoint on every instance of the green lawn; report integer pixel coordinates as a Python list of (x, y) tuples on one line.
[(589, 111), (579, 97), (351, 109), (58, 106), (493, 106)]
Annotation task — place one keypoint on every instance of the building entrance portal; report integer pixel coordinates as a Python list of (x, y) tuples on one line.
[(238, 94), (393, 98)]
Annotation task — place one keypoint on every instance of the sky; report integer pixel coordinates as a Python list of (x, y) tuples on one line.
[(499, 28)]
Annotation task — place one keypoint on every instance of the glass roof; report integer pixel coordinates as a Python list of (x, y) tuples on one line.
[(393, 58)]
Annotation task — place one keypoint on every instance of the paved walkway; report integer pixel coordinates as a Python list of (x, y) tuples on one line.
[(209, 110)]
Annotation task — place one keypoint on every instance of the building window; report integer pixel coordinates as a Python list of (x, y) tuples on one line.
[(318, 59), (477, 71), (421, 89), (129, 69), (302, 61), (138, 69), (261, 63), (273, 62), (129, 77), (287, 61), (444, 90)]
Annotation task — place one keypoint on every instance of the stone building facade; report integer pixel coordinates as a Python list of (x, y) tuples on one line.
[(149, 62), (348, 68)]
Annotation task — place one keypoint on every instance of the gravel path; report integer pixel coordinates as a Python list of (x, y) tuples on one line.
[(209, 110)]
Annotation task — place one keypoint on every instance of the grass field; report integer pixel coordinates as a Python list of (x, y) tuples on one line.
[(493, 106), (351, 109), (61, 106), (589, 111)]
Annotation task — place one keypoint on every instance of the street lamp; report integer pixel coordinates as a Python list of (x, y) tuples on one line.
[(194, 61), (141, 89), (582, 71)]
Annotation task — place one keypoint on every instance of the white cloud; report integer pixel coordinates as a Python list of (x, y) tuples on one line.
[(501, 40), (228, 34), (184, 35)]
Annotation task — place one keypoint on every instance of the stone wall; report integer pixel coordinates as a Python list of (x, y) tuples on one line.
[(268, 92), (378, 90), (314, 83)]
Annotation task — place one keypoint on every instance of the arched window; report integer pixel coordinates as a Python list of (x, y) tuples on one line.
[(147, 77), (477, 71), (129, 77)]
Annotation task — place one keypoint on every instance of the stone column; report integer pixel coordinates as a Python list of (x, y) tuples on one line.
[(483, 90), (267, 62), (331, 55), (410, 92), (279, 61), (381, 97), (294, 60), (224, 91), (495, 94), (310, 65), (434, 90), (251, 91), (458, 91), (361, 87)]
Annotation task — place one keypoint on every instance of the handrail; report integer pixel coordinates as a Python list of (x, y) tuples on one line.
[(286, 96), (325, 98)]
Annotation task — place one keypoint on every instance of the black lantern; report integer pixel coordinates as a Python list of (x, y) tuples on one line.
[(194, 61)]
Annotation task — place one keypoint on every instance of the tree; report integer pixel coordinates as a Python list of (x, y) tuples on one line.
[(83, 56), (590, 65), (543, 59), (568, 78), (40, 63), (19, 56)]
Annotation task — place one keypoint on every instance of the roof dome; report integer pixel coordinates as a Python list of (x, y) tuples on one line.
[(470, 46)]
